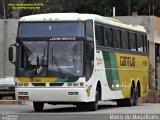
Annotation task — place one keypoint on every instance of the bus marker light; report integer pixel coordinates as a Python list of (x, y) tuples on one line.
[(117, 85)]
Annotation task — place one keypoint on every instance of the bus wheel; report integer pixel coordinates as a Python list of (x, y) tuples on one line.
[(137, 94), (38, 106), (130, 101), (93, 106), (82, 106)]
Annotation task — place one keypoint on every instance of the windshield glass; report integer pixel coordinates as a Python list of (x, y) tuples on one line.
[(57, 29), (33, 59), (65, 58), (50, 58)]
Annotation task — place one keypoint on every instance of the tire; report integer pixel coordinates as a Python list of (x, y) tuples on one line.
[(82, 106), (137, 94), (93, 106), (38, 106), (121, 103), (128, 101)]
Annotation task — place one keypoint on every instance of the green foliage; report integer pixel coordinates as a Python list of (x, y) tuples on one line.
[(101, 7)]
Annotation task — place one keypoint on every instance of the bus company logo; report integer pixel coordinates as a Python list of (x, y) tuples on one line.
[(99, 61), (88, 90), (63, 38), (127, 61), (35, 79), (145, 63)]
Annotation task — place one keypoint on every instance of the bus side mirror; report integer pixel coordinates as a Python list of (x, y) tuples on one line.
[(10, 54)]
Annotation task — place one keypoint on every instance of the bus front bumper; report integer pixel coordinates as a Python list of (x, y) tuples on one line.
[(51, 94)]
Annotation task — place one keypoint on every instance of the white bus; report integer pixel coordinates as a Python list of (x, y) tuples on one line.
[(80, 59)]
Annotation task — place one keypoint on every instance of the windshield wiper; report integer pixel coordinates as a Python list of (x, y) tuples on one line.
[(56, 62)]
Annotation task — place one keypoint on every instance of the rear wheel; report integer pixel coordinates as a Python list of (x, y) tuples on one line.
[(137, 94), (129, 101), (38, 106)]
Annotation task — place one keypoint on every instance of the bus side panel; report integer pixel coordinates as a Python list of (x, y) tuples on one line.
[(132, 68)]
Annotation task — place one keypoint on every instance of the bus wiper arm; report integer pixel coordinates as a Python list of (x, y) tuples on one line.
[(57, 64)]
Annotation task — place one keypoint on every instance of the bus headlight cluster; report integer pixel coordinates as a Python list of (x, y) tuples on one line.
[(21, 84), (76, 84), (115, 86), (22, 93)]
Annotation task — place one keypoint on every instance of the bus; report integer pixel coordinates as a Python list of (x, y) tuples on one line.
[(79, 59)]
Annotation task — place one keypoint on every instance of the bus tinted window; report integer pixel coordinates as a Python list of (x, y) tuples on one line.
[(108, 37), (132, 41), (117, 38), (125, 44), (99, 31), (89, 29), (59, 29), (140, 42), (145, 43)]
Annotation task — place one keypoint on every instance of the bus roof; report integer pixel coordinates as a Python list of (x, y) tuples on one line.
[(83, 17)]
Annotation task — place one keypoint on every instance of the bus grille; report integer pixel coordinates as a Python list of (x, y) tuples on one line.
[(39, 84), (56, 84)]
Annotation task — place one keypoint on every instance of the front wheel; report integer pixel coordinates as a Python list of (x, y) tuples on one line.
[(93, 106), (38, 106)]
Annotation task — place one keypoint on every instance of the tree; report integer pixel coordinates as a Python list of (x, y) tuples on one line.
[(101, 7)]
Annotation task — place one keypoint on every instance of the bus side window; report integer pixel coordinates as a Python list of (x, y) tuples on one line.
[(99, 31), (140, 42), (108, 37), (125, 42), (145, 43), (132, 41), (117, 38)]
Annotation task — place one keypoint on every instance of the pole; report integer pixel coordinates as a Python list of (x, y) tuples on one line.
[(4, 10), (153, 8), (149, 10), (114, 11), (5, 38), (129, 8)]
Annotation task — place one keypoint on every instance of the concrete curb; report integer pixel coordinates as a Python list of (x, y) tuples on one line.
[(10, 102)]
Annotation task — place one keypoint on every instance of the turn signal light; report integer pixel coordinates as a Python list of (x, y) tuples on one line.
[(23, 97)]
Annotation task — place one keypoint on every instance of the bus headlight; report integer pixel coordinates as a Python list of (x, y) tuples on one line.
[(76, 84), (21, 84)]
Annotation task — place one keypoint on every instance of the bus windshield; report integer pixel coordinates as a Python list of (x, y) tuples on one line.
[(51, 29), (50, 58)]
